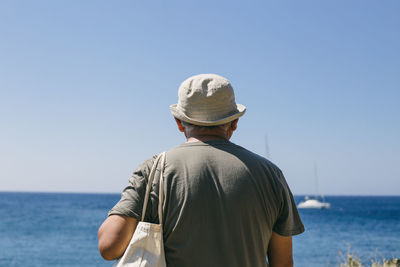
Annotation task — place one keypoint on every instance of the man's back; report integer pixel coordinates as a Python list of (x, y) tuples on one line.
[(222, 204)]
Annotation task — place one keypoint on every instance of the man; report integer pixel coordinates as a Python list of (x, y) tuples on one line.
[(224, 205)]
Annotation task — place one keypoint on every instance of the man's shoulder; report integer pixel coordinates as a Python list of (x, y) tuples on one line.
[(257, 158), (145, 167)]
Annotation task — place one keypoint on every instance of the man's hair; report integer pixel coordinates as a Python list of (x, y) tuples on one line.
[(191, 127)]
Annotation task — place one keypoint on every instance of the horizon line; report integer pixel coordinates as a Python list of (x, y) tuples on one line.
[(118, 193)]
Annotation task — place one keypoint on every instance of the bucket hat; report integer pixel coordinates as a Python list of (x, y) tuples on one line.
[(206, 100)]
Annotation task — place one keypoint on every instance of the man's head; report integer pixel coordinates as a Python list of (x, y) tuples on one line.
[(206, 103), (223, 131), (206, 100)]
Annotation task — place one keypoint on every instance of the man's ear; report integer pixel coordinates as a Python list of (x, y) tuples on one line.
[(180, 126), (234, 124)]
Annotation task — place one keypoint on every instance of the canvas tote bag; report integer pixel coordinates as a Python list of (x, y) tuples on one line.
[(146, 247)]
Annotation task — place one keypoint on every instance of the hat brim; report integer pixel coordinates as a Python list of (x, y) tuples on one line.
[(177, 113)]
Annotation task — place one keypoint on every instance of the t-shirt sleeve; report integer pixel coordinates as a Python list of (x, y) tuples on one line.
[(132, 197), (288, 222)]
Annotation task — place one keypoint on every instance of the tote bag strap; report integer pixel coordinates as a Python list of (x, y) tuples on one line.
[(161, 190), (161, 186)]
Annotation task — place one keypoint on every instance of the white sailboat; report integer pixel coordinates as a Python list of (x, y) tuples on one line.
[(313, 203), (318, 202)]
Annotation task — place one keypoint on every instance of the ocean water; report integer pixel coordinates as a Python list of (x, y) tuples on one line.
[(367, 227), (52, 229)]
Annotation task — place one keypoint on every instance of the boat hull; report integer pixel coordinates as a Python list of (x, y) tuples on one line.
[(313, 204)]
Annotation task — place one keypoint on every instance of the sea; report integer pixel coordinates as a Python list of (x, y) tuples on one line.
[(60, 229)]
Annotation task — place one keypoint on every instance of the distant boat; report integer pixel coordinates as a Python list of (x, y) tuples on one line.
[(314, 203)]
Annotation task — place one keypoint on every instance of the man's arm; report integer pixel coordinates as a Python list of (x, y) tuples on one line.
[(280, 251), (114, 236)]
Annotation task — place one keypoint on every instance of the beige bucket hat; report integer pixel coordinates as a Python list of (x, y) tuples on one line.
[(206, 100)]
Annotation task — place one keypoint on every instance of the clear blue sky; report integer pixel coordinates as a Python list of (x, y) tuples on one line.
[(85, 88)]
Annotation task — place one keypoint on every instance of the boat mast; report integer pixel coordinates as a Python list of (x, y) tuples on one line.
[(316, 182), (316, 179), (267, 155)]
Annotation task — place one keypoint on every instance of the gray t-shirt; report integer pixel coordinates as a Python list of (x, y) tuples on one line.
[(222, 203)]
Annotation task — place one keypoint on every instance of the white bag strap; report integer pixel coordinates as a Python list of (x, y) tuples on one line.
[(161, 186), (161, 190)]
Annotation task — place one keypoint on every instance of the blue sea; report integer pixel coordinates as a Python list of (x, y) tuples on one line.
[(59, 229)]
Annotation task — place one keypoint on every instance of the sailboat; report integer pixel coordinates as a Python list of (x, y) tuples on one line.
[(313, 203), (317, 202)]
